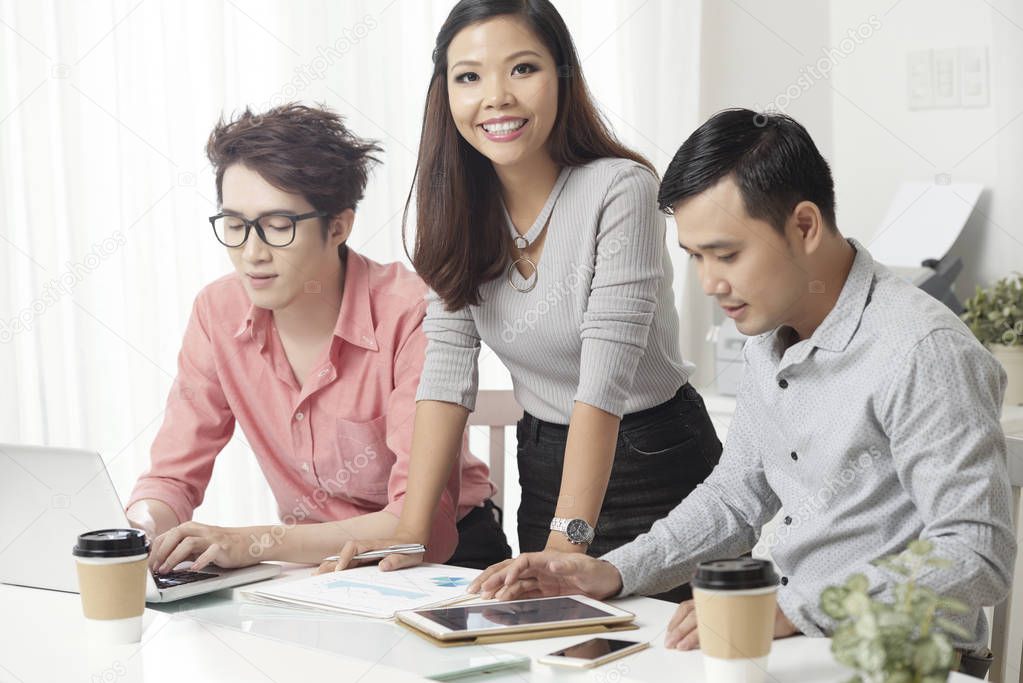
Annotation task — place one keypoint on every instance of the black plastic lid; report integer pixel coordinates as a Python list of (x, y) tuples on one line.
[(111, 543), (739, 574)]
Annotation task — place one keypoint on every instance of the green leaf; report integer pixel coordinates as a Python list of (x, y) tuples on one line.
[(857, 605), (866, 625), (926, 595), (832, 599), (927, 657), (857, 583), (892, 566), (848, 657), (934, 656), (871, 655), (844, 644), (953, 629), (945, 650), (900, 650), (844, 636), (952, 605), (890, 620), (921, 547), (939, 562)]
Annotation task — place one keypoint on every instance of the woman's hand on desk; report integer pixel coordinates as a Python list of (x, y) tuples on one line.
[(204, 544), (549, 573), (345, 556)]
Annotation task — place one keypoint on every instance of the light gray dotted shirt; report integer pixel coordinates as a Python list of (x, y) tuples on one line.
[(880, 428)]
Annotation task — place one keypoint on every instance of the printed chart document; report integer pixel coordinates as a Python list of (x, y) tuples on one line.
[(367, 591)]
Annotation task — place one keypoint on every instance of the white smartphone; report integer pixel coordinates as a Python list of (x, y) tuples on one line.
[(459, 667), (593, 652)]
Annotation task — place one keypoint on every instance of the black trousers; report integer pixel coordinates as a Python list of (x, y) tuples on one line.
[(662, 454), (481, 539)]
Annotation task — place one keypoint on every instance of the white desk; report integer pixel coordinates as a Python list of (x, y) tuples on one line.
[(219, 638)]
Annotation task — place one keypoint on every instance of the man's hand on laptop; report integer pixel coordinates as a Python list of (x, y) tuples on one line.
[(226, 547), (548, 573)]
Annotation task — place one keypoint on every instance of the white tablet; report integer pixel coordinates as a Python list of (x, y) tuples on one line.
[(515, 616)]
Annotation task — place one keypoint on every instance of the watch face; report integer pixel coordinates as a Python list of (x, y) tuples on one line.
[(578, 530)]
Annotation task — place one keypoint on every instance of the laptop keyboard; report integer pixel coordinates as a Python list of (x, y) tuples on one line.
[(170, 579)]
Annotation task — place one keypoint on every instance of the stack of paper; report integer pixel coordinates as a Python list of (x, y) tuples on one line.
[(367, 591)]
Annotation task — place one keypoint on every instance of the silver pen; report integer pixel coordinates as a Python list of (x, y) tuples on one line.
[(401, 549)]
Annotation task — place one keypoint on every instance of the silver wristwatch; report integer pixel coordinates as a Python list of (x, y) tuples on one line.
[(577, 530)]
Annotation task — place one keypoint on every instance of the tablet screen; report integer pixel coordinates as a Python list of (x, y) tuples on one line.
[(505, 615)]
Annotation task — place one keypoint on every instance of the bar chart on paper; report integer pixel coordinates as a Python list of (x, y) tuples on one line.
[(368, 591)]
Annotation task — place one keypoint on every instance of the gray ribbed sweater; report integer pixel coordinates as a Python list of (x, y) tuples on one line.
[(600, 327)]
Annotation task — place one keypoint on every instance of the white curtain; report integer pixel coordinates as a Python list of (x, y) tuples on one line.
[(104, 189)]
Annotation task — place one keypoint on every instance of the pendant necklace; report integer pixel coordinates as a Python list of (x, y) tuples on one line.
[(522, 242)]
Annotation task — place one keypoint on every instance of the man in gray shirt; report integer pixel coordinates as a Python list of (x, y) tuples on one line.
[(868, 414)]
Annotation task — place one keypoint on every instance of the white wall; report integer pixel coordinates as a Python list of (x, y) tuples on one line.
[(755, 59), (751, 57), (879, 141)]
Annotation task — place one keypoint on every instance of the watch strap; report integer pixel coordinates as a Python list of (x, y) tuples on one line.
[(560, 524)]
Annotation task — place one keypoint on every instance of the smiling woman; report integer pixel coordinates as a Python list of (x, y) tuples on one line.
[(505, 92), (515, 163)]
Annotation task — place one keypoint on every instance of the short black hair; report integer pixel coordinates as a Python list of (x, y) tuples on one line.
[(771, 157)]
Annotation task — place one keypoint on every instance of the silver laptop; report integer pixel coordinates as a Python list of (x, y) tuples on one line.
[(50, 495)]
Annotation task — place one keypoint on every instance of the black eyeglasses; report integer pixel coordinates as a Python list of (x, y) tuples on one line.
[(275, 229)]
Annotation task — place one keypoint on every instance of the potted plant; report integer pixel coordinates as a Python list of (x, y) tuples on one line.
[(906, 641), (995, 315)]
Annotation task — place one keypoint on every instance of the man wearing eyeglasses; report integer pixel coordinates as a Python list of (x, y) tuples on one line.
[(315, 352)]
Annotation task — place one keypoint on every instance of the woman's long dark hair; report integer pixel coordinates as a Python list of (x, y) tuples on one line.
[(461, 238)]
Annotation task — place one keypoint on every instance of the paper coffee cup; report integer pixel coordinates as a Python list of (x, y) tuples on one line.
[(736, 602), (112, 566)]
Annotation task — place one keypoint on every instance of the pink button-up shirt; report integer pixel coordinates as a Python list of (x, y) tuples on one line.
[(332, 449)]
